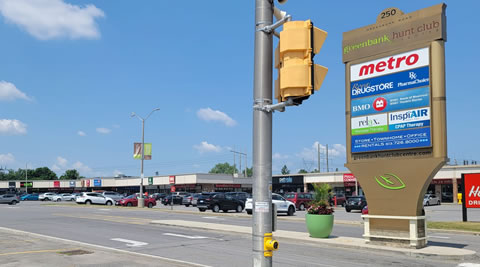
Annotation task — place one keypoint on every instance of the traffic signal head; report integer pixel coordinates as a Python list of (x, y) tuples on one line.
[(298, 76)]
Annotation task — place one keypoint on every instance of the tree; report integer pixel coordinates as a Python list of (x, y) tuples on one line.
[(224, 168), (70, 175), (250, 172), (302, 171), (285, 170), (44, 173)]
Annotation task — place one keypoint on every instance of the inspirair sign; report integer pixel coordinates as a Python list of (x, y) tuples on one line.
[(395, 118)]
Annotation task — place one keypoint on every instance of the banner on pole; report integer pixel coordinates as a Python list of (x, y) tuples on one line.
[(137, 151)]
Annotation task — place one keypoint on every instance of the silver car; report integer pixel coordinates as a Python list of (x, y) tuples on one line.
[(63, 197), (113, 195), (431, 199), (46, 196), (10, 199)]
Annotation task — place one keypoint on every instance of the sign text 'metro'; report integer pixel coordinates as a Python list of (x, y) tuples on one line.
[(387, 65)]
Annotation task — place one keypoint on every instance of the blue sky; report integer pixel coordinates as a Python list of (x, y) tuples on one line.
[(72, 72)]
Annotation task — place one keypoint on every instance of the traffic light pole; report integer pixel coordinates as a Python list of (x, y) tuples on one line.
[(262, 132)]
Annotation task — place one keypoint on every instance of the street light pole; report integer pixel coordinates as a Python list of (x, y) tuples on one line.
[(141, 203)]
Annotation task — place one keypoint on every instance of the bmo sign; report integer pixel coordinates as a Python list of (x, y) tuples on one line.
[(472, 190)]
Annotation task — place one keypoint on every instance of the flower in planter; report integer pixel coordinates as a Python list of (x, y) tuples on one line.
[(319, 205)]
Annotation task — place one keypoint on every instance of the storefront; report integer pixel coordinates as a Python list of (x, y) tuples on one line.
[(283, 184)]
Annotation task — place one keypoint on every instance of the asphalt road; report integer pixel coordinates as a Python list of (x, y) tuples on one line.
[(130, 229)]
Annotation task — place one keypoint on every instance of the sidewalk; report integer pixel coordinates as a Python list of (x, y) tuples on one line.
[(21, 248), (440, 252)]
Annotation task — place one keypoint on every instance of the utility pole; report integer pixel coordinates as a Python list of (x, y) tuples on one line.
[(262, 133), (327, 157), (240, 157), (318, 156)]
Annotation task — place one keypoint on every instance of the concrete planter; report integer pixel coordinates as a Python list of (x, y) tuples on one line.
[(319, 226)]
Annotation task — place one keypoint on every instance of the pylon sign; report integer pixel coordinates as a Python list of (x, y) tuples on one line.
[(396, 118)]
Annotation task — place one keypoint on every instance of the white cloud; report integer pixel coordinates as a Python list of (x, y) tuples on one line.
[(14, 127), (117, 172), (82, 168), (7, 158), (61, 165), (9, 92), (103, 130), (62, 162), (279, 156), (208, 114), (81, 133), (50, 19), (206, 147)]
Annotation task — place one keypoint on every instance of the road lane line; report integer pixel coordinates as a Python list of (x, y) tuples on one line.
[(130, 243), (101, 247), (186, 236)]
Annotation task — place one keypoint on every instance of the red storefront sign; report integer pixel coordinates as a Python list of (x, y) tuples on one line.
[(349, 179), (88, 183), (472, 190), (171, 180), (228, 185), (172, 188), (56, 183)]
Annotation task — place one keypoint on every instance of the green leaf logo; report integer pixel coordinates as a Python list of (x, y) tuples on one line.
[(390, 181)]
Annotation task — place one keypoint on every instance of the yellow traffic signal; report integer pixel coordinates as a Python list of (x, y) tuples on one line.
[(298, 76)]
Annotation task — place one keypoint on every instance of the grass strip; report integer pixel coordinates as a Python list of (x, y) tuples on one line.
[(462, 226)]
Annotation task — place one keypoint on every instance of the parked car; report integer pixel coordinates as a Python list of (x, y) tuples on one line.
[(10, 199), (195, 198), (132, 201), (159, 196), (282, 205), (63, 197), (187, 200), (220, 201), (113, 195), (301, 200), (355, 203), (168, 200), (94, 198), (340, 199), (431, 199), (242, 196), (29, 197), (46, 196)]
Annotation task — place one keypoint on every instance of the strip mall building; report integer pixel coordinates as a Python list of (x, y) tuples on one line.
[(445, 184)]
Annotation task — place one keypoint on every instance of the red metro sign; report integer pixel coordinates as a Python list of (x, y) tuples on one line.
[(472, 190)]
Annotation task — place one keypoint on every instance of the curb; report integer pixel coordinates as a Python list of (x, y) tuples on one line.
[(340, 242)]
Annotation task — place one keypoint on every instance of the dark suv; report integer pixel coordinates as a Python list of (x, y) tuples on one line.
[(355, 203), (242, 196), (220, 201)]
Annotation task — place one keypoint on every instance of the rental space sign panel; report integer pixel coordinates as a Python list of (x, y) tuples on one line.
[(390, 102)]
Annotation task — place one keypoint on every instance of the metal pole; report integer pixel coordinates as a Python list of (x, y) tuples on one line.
[(327, 157), (262, 133), (464, 207), (246, 165), (318, 156), (26, 178), (140, 199)]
